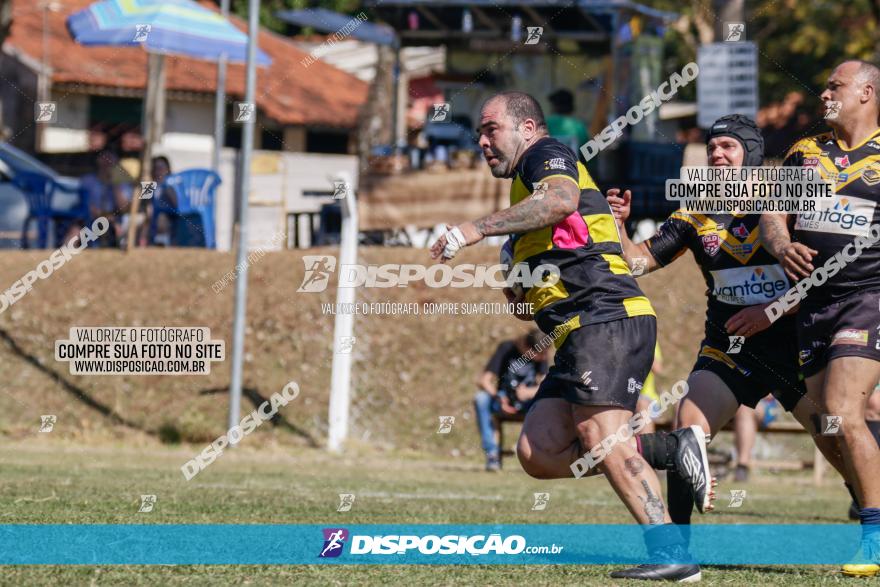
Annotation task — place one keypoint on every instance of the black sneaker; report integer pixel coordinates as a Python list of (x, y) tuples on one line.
[(676, 564), (741, 475), (692, 464), (677, 573)]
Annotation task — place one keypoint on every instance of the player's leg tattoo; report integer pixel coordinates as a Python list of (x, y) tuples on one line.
[(653, 505)]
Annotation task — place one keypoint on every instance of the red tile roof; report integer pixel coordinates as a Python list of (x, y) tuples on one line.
[(287, 91)]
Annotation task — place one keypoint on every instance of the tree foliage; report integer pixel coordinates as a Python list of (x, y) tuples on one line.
[(799, 42)]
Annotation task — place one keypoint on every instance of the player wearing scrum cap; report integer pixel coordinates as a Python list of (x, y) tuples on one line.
[(608, 326), (837, 322), (742, 357)]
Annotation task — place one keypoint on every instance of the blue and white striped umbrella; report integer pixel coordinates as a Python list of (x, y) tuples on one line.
[(173, 27)]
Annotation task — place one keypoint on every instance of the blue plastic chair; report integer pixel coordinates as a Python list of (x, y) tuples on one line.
[(38, 190), (195, 190)]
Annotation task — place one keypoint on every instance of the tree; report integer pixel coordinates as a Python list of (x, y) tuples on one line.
[(798, 42)]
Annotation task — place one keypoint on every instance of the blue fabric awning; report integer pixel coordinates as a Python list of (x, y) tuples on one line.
[(328, 21)]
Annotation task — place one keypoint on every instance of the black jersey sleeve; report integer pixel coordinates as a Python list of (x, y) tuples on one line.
[(672, 238), (547, 159)]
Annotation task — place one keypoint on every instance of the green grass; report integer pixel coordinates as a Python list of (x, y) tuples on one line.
[(51, 482)]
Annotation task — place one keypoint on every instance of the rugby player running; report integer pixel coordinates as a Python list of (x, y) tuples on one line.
[(606, 326), (837, 322), (742, 279)]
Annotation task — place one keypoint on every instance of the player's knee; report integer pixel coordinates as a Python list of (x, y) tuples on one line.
[(840, 405), (530, 460), (591, 433)]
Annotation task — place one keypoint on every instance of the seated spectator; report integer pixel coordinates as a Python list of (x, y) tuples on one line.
[(160, 169), (508, 384), (109, 191), (173, 228)]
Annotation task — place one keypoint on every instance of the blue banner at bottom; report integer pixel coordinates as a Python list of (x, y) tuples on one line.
[(195, 544)]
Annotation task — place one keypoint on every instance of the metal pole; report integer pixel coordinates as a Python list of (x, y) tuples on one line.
[(220, 101), (244, 175), (395, 101), (340, 376)]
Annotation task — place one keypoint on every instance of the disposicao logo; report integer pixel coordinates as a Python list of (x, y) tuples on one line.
[(334, 540)]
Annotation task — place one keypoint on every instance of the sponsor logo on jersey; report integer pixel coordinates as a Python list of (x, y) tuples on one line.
[(842, 215), (841, 177), (842, 162), (740, 231), (747, 286), (850, 336), (555, 163), (711, 244), (873, 145), (811, 162), (871, 175)]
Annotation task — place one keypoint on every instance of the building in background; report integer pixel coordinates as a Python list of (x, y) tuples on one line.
[(98, 91)]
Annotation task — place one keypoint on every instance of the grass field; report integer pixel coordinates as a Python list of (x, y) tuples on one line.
[(50, 482), (115, 436)]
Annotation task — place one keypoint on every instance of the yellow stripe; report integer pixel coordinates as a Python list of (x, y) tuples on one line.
[(542, 297), (860, 145), (616, 264), (532, 243), (585, 181), (682, 215), (518, 191), (718, 355), (638, 306), (856, 169), (602, 227), (568, 177)]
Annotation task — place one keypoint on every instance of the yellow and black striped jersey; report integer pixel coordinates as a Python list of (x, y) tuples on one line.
[(595, 282), (738, 270), (855, 173)]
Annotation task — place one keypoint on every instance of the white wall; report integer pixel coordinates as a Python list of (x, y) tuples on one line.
[(278, 180), (189, 126), (69, 132)]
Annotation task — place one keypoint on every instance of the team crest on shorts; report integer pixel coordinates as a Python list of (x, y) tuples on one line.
[(633, 386), (711, 244)]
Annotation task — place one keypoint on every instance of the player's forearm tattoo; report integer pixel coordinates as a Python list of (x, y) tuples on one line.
[(774, 234), (531, 213), (653, 505), (634, 465)]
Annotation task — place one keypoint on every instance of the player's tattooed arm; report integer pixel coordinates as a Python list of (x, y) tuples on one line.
[(774, 233), (795, 258), (546, 208)]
